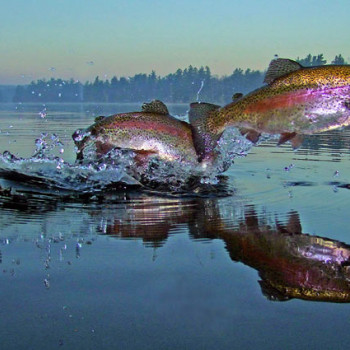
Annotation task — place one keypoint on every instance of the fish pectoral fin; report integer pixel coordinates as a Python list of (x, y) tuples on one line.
[(141, 156), (250, 134), (280, 67), (286, 136), (155, 106), (295, 139), (103, 148), (144, 152)]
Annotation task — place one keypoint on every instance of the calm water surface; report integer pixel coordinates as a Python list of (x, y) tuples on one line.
[(264, 268)]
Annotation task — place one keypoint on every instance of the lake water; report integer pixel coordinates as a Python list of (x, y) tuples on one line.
[(265, 267)]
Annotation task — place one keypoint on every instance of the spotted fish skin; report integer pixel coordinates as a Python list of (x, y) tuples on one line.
[(296, 100), (145, 133), (305, 101)]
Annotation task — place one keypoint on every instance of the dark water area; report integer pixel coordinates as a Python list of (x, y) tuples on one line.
[(264, 267)]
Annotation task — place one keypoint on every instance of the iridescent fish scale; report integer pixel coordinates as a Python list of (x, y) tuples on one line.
[(272, 108), (160, 134)]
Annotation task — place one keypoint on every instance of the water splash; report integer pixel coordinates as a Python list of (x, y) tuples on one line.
[(119, 168), (43, 113), (231, 145), (200, 89)]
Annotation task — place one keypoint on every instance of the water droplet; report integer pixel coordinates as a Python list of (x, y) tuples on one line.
[(102, 167), (200, 89), (289, 167), (16, 261), (43, 113), (80, 134), (47, 283)]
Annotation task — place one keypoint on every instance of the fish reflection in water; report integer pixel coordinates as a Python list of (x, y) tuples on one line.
[(291, 264)]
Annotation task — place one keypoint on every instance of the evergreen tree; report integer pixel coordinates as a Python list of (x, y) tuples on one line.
[(310, 61), (339, 60), (186, 86)]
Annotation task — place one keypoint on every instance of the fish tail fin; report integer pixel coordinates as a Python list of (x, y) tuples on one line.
[(204, 140)]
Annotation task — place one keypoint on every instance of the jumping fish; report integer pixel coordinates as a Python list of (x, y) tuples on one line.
[(295, 101), (153, 131)]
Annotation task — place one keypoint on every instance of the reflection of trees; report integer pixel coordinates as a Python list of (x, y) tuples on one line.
[(181, 86)]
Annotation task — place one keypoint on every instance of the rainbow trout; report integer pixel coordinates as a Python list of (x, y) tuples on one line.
[(295, 101), (147, 133)]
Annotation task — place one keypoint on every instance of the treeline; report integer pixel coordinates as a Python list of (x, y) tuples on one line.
[(186, 85)]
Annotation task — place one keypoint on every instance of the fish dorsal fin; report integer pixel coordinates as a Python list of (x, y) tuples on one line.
[(237, 96), (280, 67), (203, 139), (200, 110), (155, 106)]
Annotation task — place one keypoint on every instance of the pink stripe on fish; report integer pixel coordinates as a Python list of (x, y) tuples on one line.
[(153, 126)]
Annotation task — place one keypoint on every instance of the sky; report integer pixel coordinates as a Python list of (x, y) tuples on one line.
[(82, 39)]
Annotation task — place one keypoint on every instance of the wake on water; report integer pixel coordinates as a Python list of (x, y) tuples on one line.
[(46, 170)]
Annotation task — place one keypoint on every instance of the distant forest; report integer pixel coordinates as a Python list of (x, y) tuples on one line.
[(186, 85)]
